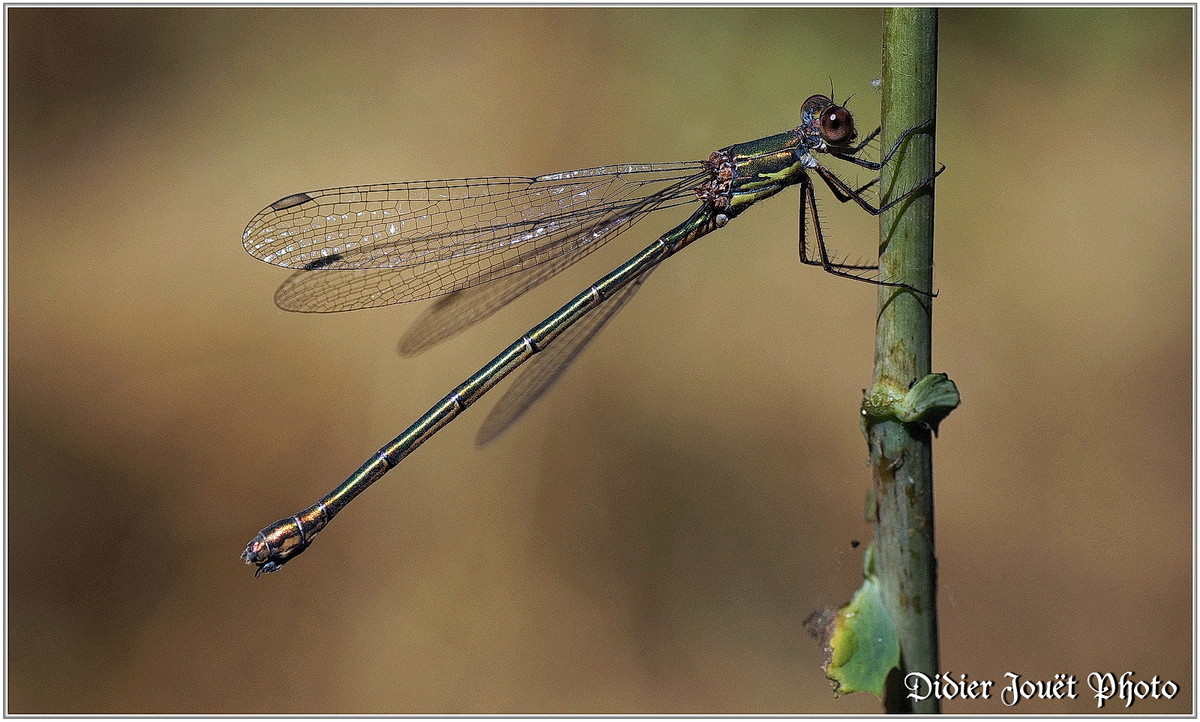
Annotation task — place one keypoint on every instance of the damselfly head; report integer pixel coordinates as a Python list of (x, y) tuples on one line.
[(832, 121)]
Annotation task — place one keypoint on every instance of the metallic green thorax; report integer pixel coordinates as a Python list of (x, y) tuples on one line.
[(764, 167)]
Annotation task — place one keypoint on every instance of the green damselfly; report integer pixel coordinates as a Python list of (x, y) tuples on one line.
[(479, 243)]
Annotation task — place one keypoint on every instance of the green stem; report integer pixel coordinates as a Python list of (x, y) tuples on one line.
[(901, 454)]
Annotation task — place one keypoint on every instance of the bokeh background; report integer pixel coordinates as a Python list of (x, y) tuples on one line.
[(652, 536)]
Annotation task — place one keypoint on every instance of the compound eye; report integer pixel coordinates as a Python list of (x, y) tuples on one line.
[(837, 126)]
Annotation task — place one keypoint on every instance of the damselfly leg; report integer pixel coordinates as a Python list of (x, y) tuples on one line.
[(843, 192)]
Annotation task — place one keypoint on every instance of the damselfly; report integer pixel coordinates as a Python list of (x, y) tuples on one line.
[(479, 243)]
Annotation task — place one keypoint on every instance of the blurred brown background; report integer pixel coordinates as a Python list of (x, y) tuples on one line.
[(651, 537)]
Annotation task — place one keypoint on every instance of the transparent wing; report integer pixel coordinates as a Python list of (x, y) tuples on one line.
[(545, 368), (457, 311), (576, 234), (452, 234)]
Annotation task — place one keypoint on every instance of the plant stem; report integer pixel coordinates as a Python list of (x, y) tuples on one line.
[(901, 454)]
